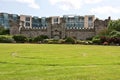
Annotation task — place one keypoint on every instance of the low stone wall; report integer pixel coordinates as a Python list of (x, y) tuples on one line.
[(80, 34), (33, 32)]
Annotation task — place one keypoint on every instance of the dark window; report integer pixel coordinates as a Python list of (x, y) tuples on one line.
[(27, 24), (90, 18), (81, 19), (71, 19), (27, 18), (55, 20)]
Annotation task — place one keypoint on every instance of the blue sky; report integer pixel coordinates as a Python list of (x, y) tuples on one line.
[(44, 8)]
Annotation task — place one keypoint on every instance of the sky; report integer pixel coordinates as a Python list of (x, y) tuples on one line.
[(102, 9)]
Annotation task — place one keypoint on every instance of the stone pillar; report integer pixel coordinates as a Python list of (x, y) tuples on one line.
[(86, 22)]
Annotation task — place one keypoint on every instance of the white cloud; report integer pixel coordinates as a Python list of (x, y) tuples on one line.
[(30, 3), (106, 10), (92, 1), (72, 4), (67, 4)]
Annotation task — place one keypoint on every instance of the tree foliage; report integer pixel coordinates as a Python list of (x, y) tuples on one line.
[(114, 25), (3, 31)]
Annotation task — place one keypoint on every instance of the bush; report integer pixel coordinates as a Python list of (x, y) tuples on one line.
[(4, 31), (114, 34), (96, 40), (70, 40), (53, 41), (104, 39), (84, 42), (40, 38), (20, 38), (89, 38), (30, 40), (4, 39), (114, 40)]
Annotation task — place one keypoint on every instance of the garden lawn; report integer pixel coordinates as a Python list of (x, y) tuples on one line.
[(59, 62)]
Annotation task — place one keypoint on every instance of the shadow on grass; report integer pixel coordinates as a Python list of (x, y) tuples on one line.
[(1, 62), (29, 57), (23, 57), (82, 65)]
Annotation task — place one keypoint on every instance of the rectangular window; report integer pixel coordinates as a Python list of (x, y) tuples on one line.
[(71, 19), (90, 18), (27, 24), (43, 19), (27, 19), (81, 19), (55, 20)]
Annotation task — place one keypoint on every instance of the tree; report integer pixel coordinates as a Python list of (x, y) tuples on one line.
[(115, 34), (114, 25), (4, 31)]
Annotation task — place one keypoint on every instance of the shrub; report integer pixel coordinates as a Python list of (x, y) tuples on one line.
[(20, 38), (96, 40), (4, 31), (4, 39), (104, 39), (115, 40), (84, 42), (70, 40), (40, 38), (105, 43), (89, 38), (53, 41), (30, 40), (114, 34)]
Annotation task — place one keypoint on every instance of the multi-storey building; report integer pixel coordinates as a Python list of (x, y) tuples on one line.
[(79, 27), (5, 18)]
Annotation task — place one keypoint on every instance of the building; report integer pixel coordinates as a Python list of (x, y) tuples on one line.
[(5, 18), (55, 27)]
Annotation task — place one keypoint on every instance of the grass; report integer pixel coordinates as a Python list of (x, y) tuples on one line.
[(59, 62)]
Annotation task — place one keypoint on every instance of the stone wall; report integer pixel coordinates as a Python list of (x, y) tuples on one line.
[(14, 29), (59, 31), (33, 32), (80, 34), (100, 25)]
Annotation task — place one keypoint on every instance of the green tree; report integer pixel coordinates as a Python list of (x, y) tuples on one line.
[(3, 31), (114, 25), (115, 34)]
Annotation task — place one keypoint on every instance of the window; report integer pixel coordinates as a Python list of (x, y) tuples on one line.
[(27, 24), (5, 16), (43, 19), (55, 20), (27, 18), (90, 19), (81, 19), (71, 19), (90, 24)]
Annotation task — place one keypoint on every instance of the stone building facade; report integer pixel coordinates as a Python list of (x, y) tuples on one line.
[(79, 27)]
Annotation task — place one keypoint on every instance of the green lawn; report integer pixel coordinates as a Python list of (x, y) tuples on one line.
[(59, 62)]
